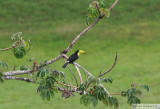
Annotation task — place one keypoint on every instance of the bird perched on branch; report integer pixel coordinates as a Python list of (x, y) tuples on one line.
[(74, 57)]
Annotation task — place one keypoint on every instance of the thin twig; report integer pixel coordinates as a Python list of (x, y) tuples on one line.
[(66, 85), (113, 5), (5, 49), (79, 73), (110, 68)]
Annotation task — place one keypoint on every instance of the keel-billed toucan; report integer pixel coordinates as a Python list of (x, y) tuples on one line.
[(74, 57)]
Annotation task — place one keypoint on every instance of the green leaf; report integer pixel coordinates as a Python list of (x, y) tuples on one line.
[(23, 67), (93, 12), (42, 72), (82, 87), (87, 99), (19, 51), (146, 87), (39, 89), (94, 101), (51, 93), (116, 104), (99, 93), (3, 64), (47, 95), (105, 101), (102, 4), (26, 46), (106, 80), (111, 101), (133, 100), (107, 12)]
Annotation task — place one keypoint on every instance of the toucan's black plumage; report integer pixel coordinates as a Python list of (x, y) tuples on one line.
[(73, 57)]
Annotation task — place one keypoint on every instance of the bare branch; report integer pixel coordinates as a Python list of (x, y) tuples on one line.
[(10, 73), (83, 69), (110, 68), (79, 73), (51, 61), (17, 78), (5, 49), (76, 39), (66, 84), (113, 5), (30, 80)]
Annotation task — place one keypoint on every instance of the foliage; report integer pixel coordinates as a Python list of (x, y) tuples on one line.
[(3, 64), (98, 94), (86, 99), (145, 87), (23, 67), (97, 9), (20, 50), (133, 94), (42, 72), (46, 82), (106, 80)]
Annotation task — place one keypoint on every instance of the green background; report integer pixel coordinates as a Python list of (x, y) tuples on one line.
[(132, 30)]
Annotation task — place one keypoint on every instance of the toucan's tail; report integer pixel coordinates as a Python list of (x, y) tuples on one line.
[(65, 64)]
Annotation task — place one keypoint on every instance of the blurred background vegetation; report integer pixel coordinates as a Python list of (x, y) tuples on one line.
[(132, 30)]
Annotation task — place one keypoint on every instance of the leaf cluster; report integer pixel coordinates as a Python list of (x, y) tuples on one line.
[(98, 94), (23, 67), (46, 82), (3, 64), (20, 50), (46, 92), (96, 9), (133, 94), (106, 80)]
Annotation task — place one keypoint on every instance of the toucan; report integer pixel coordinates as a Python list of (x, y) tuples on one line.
[(74, 57)]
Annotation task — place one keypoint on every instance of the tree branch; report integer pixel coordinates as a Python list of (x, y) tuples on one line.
[(5, 49), (79, 73), (113, 5), (17, 78), (92, 76), (110, 68), (10, 73)]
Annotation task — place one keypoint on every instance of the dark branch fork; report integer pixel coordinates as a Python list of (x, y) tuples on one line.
[(9, 75)]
